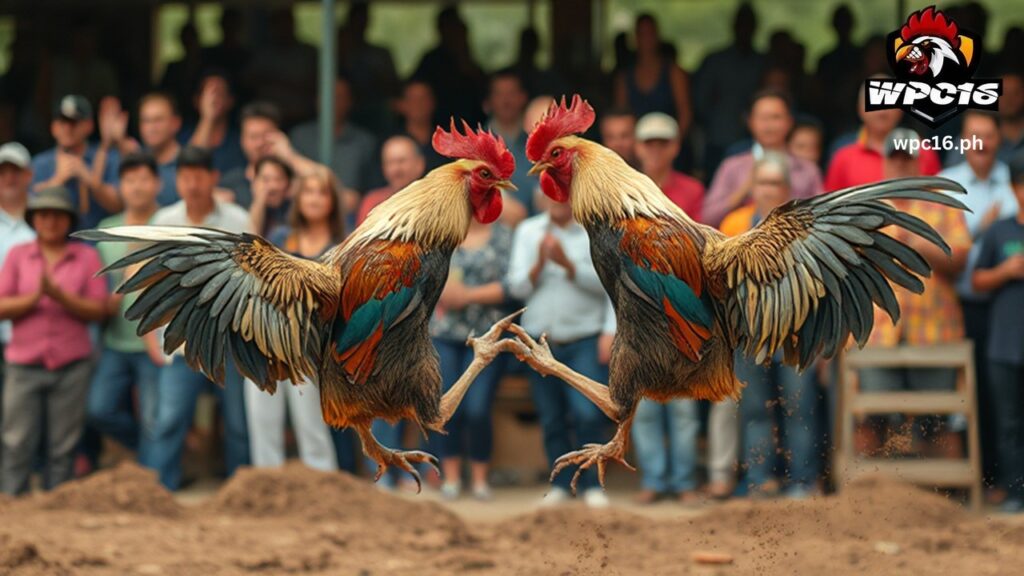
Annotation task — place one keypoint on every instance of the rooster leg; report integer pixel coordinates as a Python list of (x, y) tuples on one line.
[(539, 357), (599, 454), (385, 457), (485, 349)]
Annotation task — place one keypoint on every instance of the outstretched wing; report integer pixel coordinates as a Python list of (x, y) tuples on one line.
[(806, 277), (384, 282), (221, 293), (661, 265)]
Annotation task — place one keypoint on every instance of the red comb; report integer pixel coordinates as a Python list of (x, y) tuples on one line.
[(559, 121), (930, 22), (475, 145)]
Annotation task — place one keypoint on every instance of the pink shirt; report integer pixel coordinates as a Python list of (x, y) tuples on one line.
[(804, 180), (685, 192), (49, 335), (856, 164)]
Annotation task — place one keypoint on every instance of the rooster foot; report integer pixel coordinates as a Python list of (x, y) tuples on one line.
[(404, 460), (590, 455), (536, 353), (487, 347)]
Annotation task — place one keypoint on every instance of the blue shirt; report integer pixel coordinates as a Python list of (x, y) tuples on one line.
[(44, 165), (981, 195), (168, 174)]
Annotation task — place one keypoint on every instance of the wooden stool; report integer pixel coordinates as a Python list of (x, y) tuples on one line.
[(944, 472)]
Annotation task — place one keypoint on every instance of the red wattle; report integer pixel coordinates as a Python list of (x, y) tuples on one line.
[(552, 188), (489, 209)]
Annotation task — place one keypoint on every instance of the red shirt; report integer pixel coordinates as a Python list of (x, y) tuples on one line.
[(685, 192), (49, 335), (371, 200), (856, 164)]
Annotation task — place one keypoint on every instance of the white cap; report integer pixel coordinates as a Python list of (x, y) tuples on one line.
[(14, 153), (657, 126)]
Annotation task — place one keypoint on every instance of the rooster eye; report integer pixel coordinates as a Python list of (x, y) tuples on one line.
[(556, 152), (485, 173)]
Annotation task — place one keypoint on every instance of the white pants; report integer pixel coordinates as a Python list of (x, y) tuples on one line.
[(723, 440), (266, 417)]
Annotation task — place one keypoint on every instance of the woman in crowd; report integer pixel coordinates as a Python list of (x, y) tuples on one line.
[(654, 82), (774, 390), (49, 289), (470, 303), (315, 225)]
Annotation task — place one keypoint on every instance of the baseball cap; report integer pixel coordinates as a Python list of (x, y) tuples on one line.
[(903, 136), (656, 126), (14, 153), (73, 107), (1017, 169)]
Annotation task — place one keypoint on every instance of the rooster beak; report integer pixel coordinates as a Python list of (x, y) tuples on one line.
[(903, 51), (506, 185), (538, 168)]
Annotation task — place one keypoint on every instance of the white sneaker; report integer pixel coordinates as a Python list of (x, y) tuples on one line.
[(451, 490), (554, 497), (595, 498)]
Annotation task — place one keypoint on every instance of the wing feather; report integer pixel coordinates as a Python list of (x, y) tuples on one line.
[(223, 294), (809, 275)]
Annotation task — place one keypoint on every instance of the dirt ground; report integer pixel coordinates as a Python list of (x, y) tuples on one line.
[(295, 520)]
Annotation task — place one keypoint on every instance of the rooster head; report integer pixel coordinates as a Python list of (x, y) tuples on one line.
[(484, 162), (927, 42), (553, 146)]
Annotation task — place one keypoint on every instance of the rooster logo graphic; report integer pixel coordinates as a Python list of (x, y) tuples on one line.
[(929, 44), (933, 62)]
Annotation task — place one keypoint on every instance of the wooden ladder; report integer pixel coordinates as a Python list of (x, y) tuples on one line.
[(942, 472)]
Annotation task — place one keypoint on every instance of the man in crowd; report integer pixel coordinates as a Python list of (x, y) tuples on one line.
[(990, 198), (722, 84), (355, 149), (258, 121), (215, 130), (551, 271), (402, 164), (125, 361), (1011, 116), (769, 119), (505, 104), (15, 178), (933, 317), (416, 107), (1000, 271), (159, 124), (179, 385), (862, 161), (657, 145), (70, 163), (618, 133)]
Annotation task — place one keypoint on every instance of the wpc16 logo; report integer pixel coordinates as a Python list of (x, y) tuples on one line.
[(934, 62)]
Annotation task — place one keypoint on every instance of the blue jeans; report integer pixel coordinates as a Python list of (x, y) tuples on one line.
[(345, 448), (796, 395), (110, 409), (470, 428), (568, 419), (672, 467), (1006, 402), (177, 390)]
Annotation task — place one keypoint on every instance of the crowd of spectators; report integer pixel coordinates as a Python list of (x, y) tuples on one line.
[(227, 139)]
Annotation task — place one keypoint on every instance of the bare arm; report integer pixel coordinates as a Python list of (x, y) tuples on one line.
[(83, 308), (990, 279), (681, 97), (491, 293), (14, 307)]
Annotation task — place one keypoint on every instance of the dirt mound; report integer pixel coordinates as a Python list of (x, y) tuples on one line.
[(295, 491), (127, 488)]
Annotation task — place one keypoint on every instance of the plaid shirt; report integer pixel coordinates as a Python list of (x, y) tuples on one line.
[(933, 317)]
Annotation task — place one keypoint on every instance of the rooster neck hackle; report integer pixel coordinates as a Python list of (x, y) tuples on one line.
[(606, 188), (432, 211)]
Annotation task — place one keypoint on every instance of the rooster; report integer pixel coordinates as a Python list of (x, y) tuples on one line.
[(354, 322), (927, 42), (686, 297)]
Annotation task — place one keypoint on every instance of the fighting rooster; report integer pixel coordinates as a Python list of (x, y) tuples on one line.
[(686, 297), (928, 41), (355, 321)]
